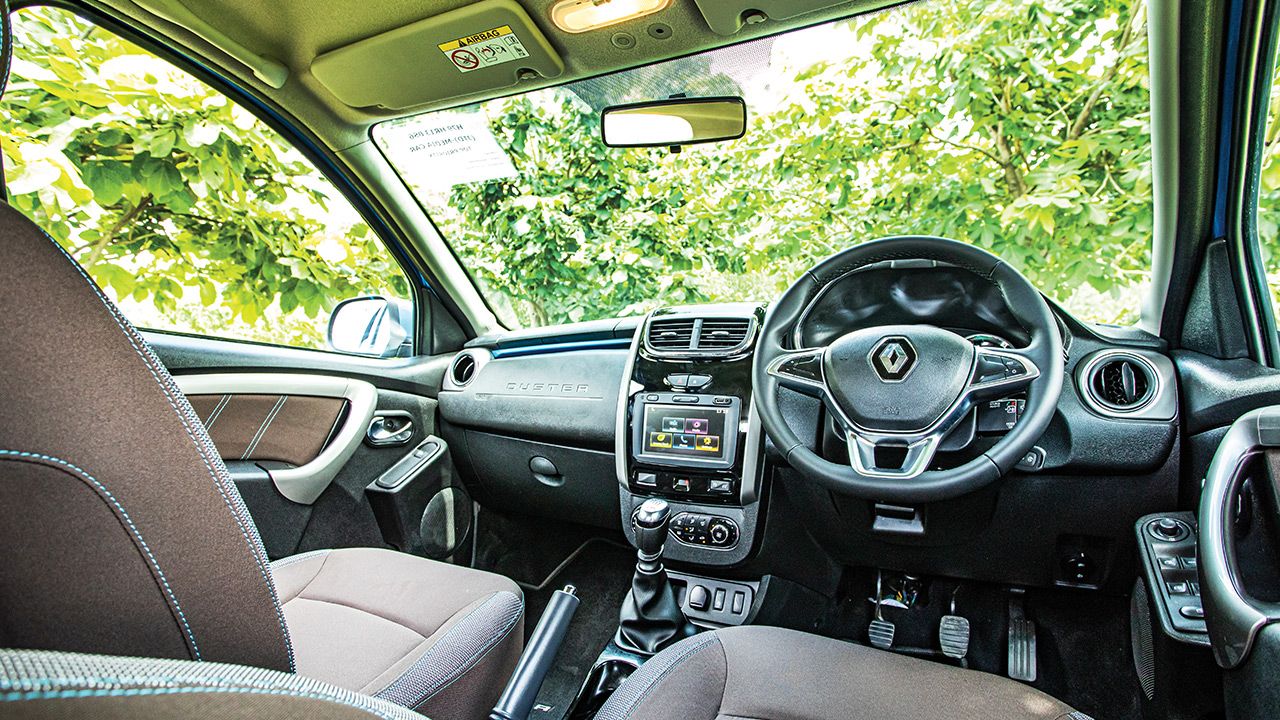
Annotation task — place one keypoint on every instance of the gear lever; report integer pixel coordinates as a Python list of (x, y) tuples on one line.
[(650, 618)]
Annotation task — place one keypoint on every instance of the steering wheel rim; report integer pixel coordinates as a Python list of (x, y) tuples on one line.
[(1038, 368)]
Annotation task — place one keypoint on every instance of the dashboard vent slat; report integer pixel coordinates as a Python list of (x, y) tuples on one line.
[(1122, 383), (670, 335), (690, 336), (723, 334)]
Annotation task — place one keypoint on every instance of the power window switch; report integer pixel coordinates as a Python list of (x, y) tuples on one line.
[(1168, 563), (718, 603), (1190, 563), (1191, 612), (1178, 588), (739, 602)]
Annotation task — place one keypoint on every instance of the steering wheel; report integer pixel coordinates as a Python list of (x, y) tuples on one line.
[(897, 390)]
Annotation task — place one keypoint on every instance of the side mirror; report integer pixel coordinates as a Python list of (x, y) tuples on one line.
[(678, 121), (370, 326)]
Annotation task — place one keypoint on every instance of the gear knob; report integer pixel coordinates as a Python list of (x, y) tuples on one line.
[(650, 525)]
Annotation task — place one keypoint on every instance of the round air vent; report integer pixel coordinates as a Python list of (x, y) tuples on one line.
[(463, 369), (1121, 382)]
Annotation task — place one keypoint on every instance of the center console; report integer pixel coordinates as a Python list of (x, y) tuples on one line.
[(686, 432)]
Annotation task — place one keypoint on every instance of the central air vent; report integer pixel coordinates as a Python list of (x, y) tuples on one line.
[(674, 335), (697, 336), (1122, 382), (723, 334), (463, 369)]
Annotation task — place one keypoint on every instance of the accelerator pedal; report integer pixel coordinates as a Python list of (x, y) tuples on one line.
[(1022, 641)]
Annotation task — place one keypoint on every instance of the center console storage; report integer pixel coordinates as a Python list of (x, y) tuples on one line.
[(686, 431)]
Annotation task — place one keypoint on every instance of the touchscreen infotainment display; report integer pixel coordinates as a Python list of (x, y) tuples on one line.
[(684, 431)]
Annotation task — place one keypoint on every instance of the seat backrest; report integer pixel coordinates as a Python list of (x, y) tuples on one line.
[(123, 532)]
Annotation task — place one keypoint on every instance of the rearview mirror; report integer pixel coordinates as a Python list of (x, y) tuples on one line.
[(678, 121), (370, 326)]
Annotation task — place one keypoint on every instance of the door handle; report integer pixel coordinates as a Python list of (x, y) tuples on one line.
[(390, 429)]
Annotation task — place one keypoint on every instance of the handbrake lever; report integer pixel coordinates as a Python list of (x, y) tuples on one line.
[(539, 653)]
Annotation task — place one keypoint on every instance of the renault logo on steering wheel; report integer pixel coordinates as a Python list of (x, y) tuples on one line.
[(893, 359)]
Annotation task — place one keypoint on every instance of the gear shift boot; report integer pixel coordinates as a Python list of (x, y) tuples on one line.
[(650, 619)]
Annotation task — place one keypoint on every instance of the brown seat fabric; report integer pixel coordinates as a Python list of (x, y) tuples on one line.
[(769, 673), (427, 635)]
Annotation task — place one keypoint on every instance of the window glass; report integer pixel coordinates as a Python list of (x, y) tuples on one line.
[(1268, 217), (1022, 127), (189, 212)]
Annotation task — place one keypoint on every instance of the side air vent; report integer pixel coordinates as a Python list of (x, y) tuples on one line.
[(674, 335), (723, 334), (1121, 382), (463, 369)]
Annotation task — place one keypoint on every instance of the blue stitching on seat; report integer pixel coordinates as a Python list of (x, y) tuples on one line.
[(248, 530), (144, 692), (137, 534)]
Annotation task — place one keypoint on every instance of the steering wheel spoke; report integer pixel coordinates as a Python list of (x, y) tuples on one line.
[(801, 370), (912, 456), (998, 372)]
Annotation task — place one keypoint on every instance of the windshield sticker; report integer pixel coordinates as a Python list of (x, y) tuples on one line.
[(447, 149), (482, 50)]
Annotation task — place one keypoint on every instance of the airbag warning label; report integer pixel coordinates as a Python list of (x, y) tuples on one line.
[(491, 47)]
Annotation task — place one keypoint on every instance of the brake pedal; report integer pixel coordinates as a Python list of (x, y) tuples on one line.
[(880, 632), (1022, 641), (953, 632)]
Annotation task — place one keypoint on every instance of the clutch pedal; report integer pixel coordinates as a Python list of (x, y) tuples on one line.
[(1022, 641), (880, 632)]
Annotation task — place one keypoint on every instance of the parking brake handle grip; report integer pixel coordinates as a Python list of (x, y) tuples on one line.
[(535, 662)]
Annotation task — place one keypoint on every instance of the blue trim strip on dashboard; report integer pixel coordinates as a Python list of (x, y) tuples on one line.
[(548, 349)]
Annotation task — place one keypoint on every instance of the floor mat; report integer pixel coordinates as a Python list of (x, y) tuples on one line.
[(601, 571)]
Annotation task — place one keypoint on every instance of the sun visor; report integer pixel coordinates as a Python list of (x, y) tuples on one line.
[(478, 48)]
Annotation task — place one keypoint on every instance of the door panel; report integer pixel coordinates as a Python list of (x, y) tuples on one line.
[(261, 399), (280, 413)]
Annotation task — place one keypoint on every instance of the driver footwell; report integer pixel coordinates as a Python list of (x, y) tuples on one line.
[(1083, 648)]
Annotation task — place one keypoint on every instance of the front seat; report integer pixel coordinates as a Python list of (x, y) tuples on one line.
[(768, 673), (125, 535)]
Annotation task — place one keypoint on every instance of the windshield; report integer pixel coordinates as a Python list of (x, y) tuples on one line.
[(1020, 127)]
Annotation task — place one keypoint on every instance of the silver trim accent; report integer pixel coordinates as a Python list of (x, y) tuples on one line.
[(1159, 370), (881, 351), (481, 358), (919, 444), (305, 483), (622, 433)]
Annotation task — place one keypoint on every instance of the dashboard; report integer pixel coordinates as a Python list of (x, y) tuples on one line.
[(632, 408)]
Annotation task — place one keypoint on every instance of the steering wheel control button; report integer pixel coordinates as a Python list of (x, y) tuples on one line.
[(1169, 529), (1168, 563), (1178, 588)]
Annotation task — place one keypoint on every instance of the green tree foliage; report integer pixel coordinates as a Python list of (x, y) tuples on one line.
[(180, 203), (1021, 127)]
